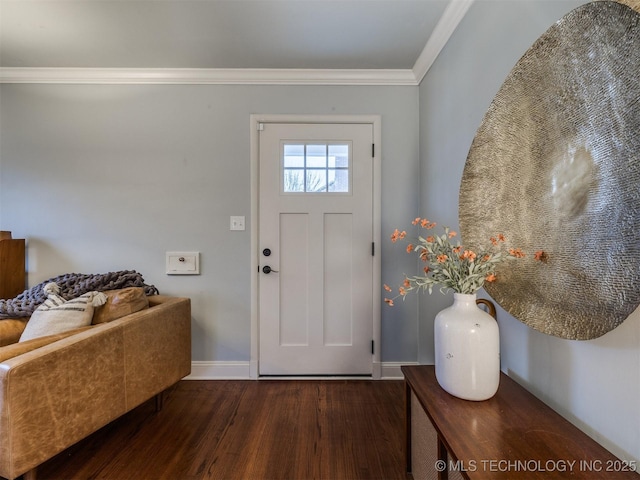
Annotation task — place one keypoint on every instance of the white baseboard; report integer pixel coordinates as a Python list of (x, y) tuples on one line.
[(219, 371), (391, 370), (242, 370)]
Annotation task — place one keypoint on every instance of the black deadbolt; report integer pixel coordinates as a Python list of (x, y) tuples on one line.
[(266, 252)]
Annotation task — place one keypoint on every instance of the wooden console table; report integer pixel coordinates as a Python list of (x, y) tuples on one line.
[(512, 435)]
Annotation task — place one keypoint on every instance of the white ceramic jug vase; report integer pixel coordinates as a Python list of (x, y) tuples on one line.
[(467, 350)]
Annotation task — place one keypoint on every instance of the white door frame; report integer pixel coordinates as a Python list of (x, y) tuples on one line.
[(375, 121)]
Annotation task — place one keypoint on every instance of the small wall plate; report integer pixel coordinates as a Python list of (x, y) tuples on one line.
[(183, 263)]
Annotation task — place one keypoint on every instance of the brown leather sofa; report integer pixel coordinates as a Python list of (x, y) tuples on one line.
[(70, 386)]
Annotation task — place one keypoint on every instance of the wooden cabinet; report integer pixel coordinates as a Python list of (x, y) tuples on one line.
[(512, 435), (12, 266)]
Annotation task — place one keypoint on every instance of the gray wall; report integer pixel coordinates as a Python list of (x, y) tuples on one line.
[(595, 384), (106, 178)]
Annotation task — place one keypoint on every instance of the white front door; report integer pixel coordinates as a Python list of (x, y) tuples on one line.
[(316, 299)]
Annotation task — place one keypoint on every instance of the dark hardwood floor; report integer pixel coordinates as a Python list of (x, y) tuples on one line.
[(267, 429)]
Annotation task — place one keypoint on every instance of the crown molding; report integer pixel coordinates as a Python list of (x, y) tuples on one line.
[(207, 76), (452, 16)]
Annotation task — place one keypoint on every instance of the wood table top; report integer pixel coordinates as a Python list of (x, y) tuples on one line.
[(512, 435)]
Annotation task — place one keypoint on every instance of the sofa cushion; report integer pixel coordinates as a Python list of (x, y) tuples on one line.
[(11, 329), (57, 315), (120, 303)]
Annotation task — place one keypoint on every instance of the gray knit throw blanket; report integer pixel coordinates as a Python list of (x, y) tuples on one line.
[(72, 285)]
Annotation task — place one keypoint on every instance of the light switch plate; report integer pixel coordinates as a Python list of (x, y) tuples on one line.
[(236, 223), (183, 263)]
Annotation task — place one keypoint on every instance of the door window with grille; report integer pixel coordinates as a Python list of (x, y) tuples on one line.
[(316, 167)]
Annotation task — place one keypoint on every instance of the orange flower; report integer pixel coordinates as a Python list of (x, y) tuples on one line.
[(541, 256), (516, 252), (402, 291), (430, 239), (424, 223), (490, 278), (387, 287), (452, 234), (407, 282), (495, 240), (486, 258), (457, 249), (389, 302), (410, 248), (442, 258), (416, 221), (469, 255), (426, 269), (397, 234)]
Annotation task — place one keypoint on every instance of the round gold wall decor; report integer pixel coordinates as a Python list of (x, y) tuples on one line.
[(555, 167)]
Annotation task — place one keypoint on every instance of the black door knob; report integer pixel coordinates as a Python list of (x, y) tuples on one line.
[(268, 269)]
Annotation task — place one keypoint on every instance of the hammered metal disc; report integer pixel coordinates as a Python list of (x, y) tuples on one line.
[(555, 166)]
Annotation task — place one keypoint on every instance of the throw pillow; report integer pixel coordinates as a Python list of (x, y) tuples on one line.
[(57, 315), (120, 303)]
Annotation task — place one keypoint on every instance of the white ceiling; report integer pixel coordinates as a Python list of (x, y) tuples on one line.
[(224, 34)]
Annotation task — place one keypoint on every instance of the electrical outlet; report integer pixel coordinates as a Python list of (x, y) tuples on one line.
[(237, 223)]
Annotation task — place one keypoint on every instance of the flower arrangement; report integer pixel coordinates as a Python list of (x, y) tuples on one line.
[(453, 267)]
